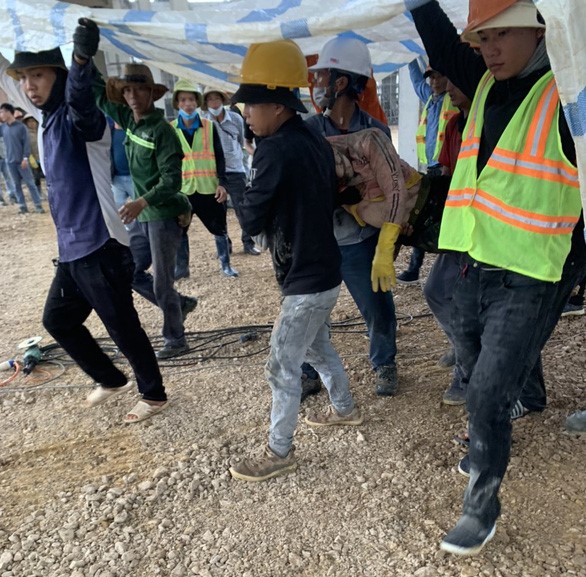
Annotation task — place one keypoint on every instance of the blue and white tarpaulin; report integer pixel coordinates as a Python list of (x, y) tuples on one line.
[(566, 46), (207, 43)]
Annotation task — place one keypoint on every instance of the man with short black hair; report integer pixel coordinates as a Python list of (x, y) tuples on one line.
[(18, 149), (290, 200), (94, 272)]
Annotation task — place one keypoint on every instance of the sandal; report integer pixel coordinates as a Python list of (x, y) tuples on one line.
[(100, 393), (142, 410), (462, 439)]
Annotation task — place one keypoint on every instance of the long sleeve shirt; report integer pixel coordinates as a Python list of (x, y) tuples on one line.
[(154, 158), (75, 155), (16, 141), (231, 132), (433, 106), (291, 198), (460, 63)]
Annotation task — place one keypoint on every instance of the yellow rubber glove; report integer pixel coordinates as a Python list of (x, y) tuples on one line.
[(353, 208), (383, 266)]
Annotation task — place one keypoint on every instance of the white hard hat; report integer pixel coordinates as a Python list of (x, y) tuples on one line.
[(347, 54)]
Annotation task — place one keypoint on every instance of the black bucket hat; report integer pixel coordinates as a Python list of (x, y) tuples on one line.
[(259, 94), (23, 60)]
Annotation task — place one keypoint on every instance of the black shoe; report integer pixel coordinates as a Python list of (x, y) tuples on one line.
[(188, 305), (468, 537), (386, 381), (168, 352), (448, 359), (23, 210), (464, 466), (408, 277), (40, 210), (456, 394), (180, 275), (519, 411), (251, 250), (310, 381)]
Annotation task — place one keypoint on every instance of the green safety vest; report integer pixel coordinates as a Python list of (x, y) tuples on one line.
[(520, 212), (199, 170), (446, 112)]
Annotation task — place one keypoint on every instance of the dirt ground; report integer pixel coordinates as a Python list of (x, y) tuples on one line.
[(155, 498)]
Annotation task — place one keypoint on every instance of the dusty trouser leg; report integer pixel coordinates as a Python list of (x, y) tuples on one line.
[(302, 326), (498, 317)]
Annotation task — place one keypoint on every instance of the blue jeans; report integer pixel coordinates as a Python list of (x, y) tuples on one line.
[(8, 180), (498, 320), (416, 260), (155, 243), (302, 332), (101, 281), (122, 188), (19, 174), (377, 309)]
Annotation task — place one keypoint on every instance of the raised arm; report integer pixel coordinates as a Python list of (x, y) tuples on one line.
[(447, 53)]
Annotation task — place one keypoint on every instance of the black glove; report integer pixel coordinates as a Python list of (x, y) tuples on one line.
[(350, 195), (86, 39)]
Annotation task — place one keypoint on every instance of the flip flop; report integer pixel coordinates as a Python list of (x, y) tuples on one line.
[(100, 393), (142, 411), (462, 439)]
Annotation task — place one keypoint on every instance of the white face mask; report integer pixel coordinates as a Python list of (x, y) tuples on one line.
[(319, 97), (216, 111)]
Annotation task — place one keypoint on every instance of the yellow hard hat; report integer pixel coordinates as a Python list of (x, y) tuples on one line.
[(186, 86), (271, 64)]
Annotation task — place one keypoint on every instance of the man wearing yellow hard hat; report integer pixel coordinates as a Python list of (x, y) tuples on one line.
[(290, 200), (514, 214)]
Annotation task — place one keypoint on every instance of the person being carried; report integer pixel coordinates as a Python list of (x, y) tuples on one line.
[(95, 266), (290, 200)]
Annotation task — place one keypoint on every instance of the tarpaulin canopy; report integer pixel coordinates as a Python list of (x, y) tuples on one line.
[(207, 44)]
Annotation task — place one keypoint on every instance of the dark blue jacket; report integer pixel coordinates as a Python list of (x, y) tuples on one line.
[(75, 155)]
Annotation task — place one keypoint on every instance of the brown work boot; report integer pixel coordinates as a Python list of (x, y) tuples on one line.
[(266, 466), (331, 417)]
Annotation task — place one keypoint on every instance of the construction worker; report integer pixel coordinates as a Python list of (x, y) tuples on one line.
[(94, 271), (203, 175), (513, 212), (230, 127), (442, 277), (430, 86), (290, 201), (341, 73)]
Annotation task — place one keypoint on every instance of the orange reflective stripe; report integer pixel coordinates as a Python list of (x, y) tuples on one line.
[(542, 168), (205, 155), (469, 148), (459, 198), (543, 118), (198, 172), (523, 219)]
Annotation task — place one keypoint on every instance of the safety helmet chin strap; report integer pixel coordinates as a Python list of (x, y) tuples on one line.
[(353, 83)]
